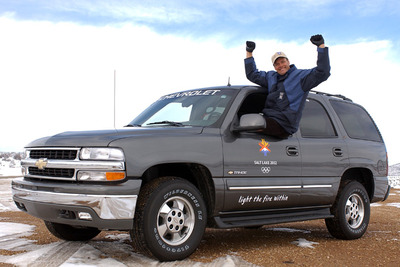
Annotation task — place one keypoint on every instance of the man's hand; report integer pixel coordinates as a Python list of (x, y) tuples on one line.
[(250, 46), (317, 39)]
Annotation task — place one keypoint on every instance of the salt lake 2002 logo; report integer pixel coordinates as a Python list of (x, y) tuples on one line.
[(264, 147)]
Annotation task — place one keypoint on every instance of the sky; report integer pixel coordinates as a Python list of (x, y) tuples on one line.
[(61, 60)]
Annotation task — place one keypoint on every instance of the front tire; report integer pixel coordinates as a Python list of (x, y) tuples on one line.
[(71, 233), (170, 219), (351, 212)]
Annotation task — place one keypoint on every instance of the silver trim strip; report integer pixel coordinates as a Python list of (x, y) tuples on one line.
[(277, 187), (264, 187), (52, 148), (108, 207), (78, 164), (318, 186)]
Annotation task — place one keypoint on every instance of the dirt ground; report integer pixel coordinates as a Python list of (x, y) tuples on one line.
[(269, 246)]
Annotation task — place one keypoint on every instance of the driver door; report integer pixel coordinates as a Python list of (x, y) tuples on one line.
[(260, 172)]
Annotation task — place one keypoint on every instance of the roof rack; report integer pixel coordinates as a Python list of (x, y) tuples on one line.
[(332, 95)]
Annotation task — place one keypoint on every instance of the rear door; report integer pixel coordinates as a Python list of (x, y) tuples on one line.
[(324, 155)]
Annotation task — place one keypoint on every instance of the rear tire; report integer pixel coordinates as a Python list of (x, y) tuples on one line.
[(170, 219), (351, 212), (71, 233)]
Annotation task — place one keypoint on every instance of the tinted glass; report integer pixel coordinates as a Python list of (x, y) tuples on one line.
[(315, 121), (253, 103), (203, 107), (356, 121)]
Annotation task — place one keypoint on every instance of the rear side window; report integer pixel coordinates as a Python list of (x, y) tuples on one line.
[(315, 122), (356, 121)]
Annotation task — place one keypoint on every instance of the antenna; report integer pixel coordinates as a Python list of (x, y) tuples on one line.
[(115, 80), (229, 81)]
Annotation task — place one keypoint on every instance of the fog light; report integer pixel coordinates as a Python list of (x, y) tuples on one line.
[(84, 216)]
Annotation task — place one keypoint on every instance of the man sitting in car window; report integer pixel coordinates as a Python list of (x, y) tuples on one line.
[(287, 87)]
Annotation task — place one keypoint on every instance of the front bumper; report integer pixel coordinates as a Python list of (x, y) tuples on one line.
[(106, 207)]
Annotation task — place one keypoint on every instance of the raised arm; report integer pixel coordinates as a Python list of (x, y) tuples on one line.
[(322, 71), (252, 73)]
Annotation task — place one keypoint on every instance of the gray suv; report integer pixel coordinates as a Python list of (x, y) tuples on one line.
[(197, 159)]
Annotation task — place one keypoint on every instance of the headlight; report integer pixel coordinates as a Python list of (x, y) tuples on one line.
[(100, 176), (99, 153)]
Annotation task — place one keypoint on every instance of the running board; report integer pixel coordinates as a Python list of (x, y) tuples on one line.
[(231, 220)]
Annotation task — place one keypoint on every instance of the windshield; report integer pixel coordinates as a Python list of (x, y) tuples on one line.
[(190, 108)]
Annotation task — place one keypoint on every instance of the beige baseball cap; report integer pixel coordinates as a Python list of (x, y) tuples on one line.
[(277, 55)]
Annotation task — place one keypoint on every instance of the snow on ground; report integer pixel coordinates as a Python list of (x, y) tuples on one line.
[(7, 171), (397, 205), (301, 242), (394, 181), (6, 203), (97, 253)]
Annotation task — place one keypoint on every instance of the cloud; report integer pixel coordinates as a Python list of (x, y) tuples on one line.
[(367, 8), (175, 12), (195, 14), (232, 21)]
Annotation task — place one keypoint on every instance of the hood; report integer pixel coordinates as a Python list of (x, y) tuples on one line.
[(103, 138)]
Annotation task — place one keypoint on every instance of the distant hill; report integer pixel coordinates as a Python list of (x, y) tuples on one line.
[(394, 170)]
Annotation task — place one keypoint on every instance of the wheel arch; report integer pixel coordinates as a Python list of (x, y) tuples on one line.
[(362, 175), (197, 174)]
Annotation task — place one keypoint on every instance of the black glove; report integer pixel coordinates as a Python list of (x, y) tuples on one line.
[(250, 46), (317, 39)]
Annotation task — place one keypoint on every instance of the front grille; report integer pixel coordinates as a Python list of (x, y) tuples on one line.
[(52, 172), (53, 154)]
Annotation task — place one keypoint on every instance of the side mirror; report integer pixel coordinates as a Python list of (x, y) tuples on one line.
[(250, 122)]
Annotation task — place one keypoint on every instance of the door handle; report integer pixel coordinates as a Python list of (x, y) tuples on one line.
[(337, 152), (292, 151)]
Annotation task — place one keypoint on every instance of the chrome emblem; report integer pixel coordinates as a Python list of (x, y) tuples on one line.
[(41, 164)]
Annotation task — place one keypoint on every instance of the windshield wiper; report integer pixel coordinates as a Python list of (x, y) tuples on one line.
[(171, 123), (133, 125)]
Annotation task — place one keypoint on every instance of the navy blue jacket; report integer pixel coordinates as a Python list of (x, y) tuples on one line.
[(287, 94)]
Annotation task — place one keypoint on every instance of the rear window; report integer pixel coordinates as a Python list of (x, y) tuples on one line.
[(356, 121)]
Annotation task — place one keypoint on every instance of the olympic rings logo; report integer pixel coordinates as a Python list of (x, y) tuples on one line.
[(265, 169)]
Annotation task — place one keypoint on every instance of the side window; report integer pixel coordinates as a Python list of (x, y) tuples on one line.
[(356, 121), (315, 122), (253, 103)]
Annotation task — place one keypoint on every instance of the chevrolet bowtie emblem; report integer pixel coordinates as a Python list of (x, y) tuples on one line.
[(41, 164)]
